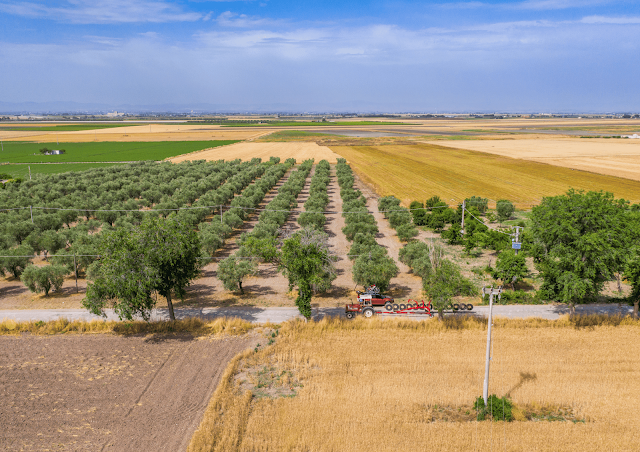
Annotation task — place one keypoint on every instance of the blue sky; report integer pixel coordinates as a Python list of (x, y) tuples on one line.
[(350, 55)]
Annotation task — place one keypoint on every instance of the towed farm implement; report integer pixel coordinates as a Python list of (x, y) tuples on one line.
[(371, 302)]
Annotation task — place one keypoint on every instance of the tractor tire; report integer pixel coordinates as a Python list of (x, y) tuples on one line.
[(469, 307), (396, 307), (351, 315), (456, 306), (388, 306), (368, 312), (402, 306)]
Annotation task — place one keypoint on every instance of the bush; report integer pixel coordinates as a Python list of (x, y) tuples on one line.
[(505, 209), (499, 409), (406, 232), (42, 279)]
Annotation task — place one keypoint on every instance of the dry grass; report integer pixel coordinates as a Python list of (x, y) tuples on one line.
[(376, 385), (192, 325), (613, 157), (247, 151), (420, 171)]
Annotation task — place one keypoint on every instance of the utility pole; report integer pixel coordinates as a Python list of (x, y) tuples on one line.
[(464, 207), (31, 210), (491, 292), (221, 215), (29, 172), (75, 271), (516, 245)]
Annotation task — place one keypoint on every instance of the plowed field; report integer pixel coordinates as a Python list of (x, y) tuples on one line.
[(105, 392)]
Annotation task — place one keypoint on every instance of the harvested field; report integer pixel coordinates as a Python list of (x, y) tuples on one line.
[(413, 388), (133, 133), (247, 151), (107, 392), (420, 171), (613, 157)]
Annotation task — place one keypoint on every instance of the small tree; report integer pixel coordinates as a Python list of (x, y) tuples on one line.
[(445, 282), (306, 261), (419, 213), (234, 269), (505, 209), (42, 279), (510, 267), (632, 273), (17, 262), (376, 268), (480, 203)]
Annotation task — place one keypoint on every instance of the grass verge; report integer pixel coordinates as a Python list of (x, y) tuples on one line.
[(192, 325)]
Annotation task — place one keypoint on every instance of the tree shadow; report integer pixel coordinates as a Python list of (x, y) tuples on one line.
[(525, 377)]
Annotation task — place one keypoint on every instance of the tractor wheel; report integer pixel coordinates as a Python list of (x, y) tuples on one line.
[(388, 306), (351, 315), (469, 307), (368, 313), (456, 306), (396, 307), (403, 306)]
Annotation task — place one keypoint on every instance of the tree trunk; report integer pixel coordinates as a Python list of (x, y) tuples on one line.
[(240, 286), (635, 308), (618, 279), (572, 309), (440, 314), (170, 304)]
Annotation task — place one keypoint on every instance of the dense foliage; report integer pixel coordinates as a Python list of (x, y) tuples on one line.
[(399, 217)]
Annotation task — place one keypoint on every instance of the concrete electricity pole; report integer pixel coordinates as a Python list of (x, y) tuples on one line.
[(517, 240), (491, 292), (464, 207)]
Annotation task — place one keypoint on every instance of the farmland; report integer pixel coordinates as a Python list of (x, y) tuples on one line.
[(28, 152), (107, 391), (61, 127), (422, 170), (310, 390)]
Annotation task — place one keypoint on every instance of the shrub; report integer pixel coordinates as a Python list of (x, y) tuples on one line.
[(406, 232), (505, 209), (499, 409), (42, 279)]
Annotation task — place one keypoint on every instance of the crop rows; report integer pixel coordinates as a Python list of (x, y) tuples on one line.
[(372, 265), (214, 233), (318, 198), (399, 217), (198, 185)]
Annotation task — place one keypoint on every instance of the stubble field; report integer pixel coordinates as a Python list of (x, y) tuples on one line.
[(388, 386), (420, 171)]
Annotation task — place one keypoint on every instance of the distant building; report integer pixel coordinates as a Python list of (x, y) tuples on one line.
[(54, 152), (635, 135)]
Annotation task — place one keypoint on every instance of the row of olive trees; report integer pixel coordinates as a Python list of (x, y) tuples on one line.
[(213, 233), (372, 264), (315, 205), (260, 243), (399, 217)]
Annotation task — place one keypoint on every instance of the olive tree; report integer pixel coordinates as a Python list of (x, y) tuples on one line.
[(234, 269), (42, 279), (510, 267), (374, 268), (17, 260), (505, 209)]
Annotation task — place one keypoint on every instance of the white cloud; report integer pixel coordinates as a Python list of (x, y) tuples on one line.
[(539, 5), (103, 11), (611, 20)]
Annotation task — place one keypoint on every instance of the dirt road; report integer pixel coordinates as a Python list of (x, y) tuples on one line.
[(108, 393)]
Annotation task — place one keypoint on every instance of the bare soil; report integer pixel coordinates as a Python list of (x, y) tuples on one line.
[(108, 393)]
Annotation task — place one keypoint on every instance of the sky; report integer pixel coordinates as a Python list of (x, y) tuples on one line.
[(342, 56)]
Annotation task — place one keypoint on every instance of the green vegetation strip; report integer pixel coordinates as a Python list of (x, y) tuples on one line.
[(65, 127), (106, 151), (22, 170)]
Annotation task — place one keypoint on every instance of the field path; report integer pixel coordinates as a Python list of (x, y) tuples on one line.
[(405, 285)]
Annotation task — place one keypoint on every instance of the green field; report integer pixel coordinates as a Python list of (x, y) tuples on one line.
[(65, 127), (22, 170), (311, 124), (25, 152)]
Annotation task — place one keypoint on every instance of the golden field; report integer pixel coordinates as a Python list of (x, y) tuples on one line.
[(246, 151), (373, 385), (614, 157), (417, 172), (148, 132)]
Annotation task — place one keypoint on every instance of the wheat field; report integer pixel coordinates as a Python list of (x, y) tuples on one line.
[(372, 385), (417, 172)]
